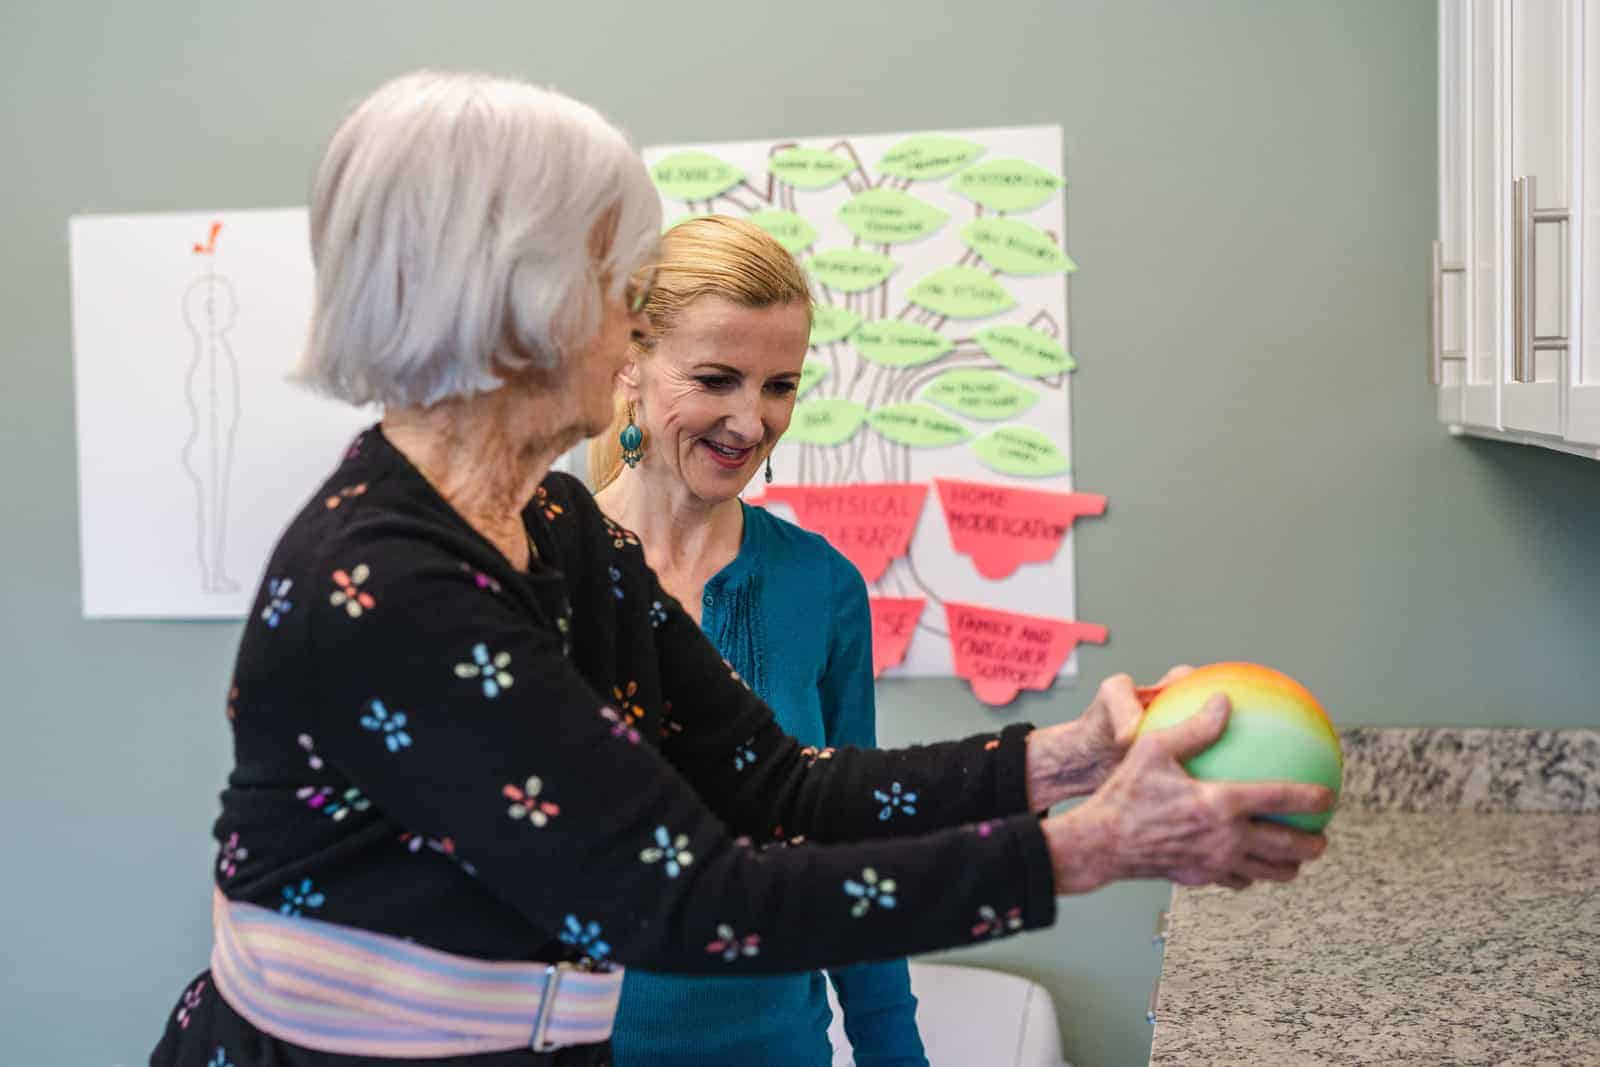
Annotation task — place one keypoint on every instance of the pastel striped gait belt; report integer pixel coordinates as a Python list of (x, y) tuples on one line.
[(335, 988)]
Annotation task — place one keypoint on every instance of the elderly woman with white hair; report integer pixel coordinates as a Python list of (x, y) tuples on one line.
[(482, 761)]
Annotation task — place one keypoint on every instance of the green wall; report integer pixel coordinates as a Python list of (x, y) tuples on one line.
[(1252, 193)]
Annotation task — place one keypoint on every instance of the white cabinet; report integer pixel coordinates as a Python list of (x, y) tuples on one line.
[(1583, 391), (1519, 229)]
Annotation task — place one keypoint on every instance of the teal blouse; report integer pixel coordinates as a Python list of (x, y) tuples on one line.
[(790, 614)]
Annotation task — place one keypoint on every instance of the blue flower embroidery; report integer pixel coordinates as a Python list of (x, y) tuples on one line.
[(490, 669), (745, 755), (675, 850), (296, 898), (392, 724), (658, 614), (616, 582), (220, 1058), (278, 603), (896, 799), (585, 936), (869, 891)]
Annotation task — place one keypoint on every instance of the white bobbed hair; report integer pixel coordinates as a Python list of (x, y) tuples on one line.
[(462, 223)]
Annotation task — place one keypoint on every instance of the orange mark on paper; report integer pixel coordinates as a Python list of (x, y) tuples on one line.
[(210, 246), (1001, 527), (894, 623), (869, 524), (1001, 653)]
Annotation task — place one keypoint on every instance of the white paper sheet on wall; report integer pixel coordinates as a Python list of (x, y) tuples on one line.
[(939, 354), (193, 449)]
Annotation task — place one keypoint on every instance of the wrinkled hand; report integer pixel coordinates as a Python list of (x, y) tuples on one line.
[(1152, 820), (1075, 758)]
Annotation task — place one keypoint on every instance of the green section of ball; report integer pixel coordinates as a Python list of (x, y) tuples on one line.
[(1262, 746)]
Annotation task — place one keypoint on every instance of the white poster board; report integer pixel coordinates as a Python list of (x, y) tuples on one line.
[(932, 239)]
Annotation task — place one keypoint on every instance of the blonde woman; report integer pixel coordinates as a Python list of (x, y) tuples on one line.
[(708, 395)]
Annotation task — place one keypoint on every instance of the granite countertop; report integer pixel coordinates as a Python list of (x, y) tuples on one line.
[(1455, 918)]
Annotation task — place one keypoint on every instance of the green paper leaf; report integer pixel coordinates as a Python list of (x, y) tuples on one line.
[(791, 231), (962, 293), (890, 217), (1025, 351), (1016, 247), (1021, 450), (981, 394), (829, 323), (896, 343), (812, 371), (928, 158), (809, 168), (918, 425), (851, 270), (1007, 184), (695, 176), (825, 421)]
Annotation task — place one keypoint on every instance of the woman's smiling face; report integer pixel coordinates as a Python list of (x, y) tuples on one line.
[(717, 392)]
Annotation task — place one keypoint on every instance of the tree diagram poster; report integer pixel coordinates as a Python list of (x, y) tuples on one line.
[(931, 441), (194, 451)]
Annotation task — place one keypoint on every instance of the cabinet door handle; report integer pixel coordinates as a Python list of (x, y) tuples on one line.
[(1437, 269), (1524, 269)]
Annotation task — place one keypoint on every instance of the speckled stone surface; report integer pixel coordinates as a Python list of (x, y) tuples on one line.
[(1453, 920), (1473, 770), (1418, 938)]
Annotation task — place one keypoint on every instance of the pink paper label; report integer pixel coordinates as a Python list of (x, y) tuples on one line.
[(894, 622), (1001, 527), (870, 524), (1000, 653)]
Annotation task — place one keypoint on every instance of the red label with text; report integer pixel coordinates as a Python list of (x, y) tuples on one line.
[(1000, 653), (869, 524), (1001, 527), (894, 621)]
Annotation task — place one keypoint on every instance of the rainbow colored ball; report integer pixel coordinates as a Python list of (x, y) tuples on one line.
[(1276, 732)]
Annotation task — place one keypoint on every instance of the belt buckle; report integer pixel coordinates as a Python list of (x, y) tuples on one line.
[(547, 1005)]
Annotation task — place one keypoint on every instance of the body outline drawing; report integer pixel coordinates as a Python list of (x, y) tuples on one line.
[(212, 395)]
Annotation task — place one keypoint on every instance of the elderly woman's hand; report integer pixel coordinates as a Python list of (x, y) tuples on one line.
[(1074, 758), (1152, 820)]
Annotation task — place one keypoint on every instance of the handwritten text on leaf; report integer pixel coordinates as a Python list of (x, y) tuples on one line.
[(1020, 450), (918, 426), (981, 394), (1025, 351), (1007, 184), (1016, 247), (889, 216), (791, 231), (695, 176), (851, 270), (896, 343), (809, 168), (928, 158), (961, 293), (825, 421)]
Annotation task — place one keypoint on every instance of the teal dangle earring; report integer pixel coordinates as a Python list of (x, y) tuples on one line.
[(632, 439)]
